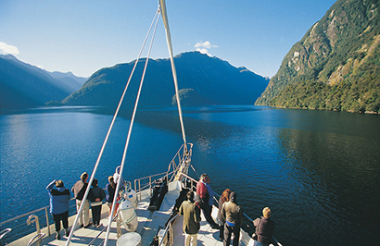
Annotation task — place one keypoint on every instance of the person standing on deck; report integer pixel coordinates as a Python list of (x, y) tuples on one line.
[(191, 219), (110, 187), (225, 197), (97, 195), (118, 178), (233, 215), (59, 205), (204, 198), (264, 228), (79, 189)]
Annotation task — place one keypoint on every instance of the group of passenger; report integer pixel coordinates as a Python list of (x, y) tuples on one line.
[(230, 216), (60, 197)]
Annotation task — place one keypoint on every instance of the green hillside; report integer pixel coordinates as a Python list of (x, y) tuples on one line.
[(336, 65)]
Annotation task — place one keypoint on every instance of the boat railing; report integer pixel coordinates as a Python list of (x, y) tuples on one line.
[(168, 228), (36, 239), (143, 183), (247, 226), (5, 232), (18, 228)]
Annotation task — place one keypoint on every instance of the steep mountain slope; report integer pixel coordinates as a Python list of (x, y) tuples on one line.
[(202, 80), (24, 86), (336, 65)]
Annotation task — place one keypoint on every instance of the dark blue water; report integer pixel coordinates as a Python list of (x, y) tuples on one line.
[(318, 171)]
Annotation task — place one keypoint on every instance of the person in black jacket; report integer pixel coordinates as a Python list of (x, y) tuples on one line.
[(97, 195), (264, 228)]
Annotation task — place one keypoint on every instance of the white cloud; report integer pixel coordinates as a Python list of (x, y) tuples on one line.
[(203, 51), (206, 45), (203, 47), (8, 49)]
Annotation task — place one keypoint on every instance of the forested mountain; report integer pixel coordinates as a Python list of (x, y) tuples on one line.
[(203, 80), (336, 65), (25, 86)]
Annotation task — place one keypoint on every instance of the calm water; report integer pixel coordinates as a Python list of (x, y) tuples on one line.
[(318, 171)]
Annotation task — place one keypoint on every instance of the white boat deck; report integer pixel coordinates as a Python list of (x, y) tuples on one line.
[(150, 222)]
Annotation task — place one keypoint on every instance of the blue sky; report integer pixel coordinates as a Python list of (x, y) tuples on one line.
[(84, 36)]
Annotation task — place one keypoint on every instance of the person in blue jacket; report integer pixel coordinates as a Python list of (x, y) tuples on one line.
[(59, 205)]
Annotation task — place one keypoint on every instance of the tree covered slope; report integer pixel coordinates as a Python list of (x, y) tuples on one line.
[(335, 66)]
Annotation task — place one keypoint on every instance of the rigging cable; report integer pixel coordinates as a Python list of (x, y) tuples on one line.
[(109, 132), (130, 131)]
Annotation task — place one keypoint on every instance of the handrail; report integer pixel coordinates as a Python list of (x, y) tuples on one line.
[(168, 226), (36, 211), (172, 170), (28, 213), (38, 237), (5, 232)]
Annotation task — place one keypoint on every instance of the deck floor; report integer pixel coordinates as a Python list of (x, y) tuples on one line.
[(149, 224)]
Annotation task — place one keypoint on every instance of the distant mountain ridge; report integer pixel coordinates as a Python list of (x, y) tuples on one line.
[(336, 65), (74, 82), (25, 86), (203, 80)]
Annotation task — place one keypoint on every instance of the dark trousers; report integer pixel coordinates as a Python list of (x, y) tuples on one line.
[(221, 230), (207, 213), (57, 219), (96, 211), (228, 230)]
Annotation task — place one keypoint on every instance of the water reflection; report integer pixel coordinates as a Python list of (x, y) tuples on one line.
[(338, 177)]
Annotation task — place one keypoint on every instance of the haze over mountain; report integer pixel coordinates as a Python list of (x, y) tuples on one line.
[(25, 86), (335, 66), (203, 80), (69, 79)]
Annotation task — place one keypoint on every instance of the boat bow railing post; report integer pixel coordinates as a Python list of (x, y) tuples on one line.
[(36, 239), (47, 220), (34, 218), (5, 232)]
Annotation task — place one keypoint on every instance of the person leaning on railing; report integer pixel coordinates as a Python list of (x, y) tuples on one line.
[(264, 228), (233, 215), (203, 197), (225, 197)]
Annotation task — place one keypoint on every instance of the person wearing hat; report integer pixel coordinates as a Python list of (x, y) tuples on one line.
[(59, 205), (79, 189), (191, 219), (233, 215), (264, 228)]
